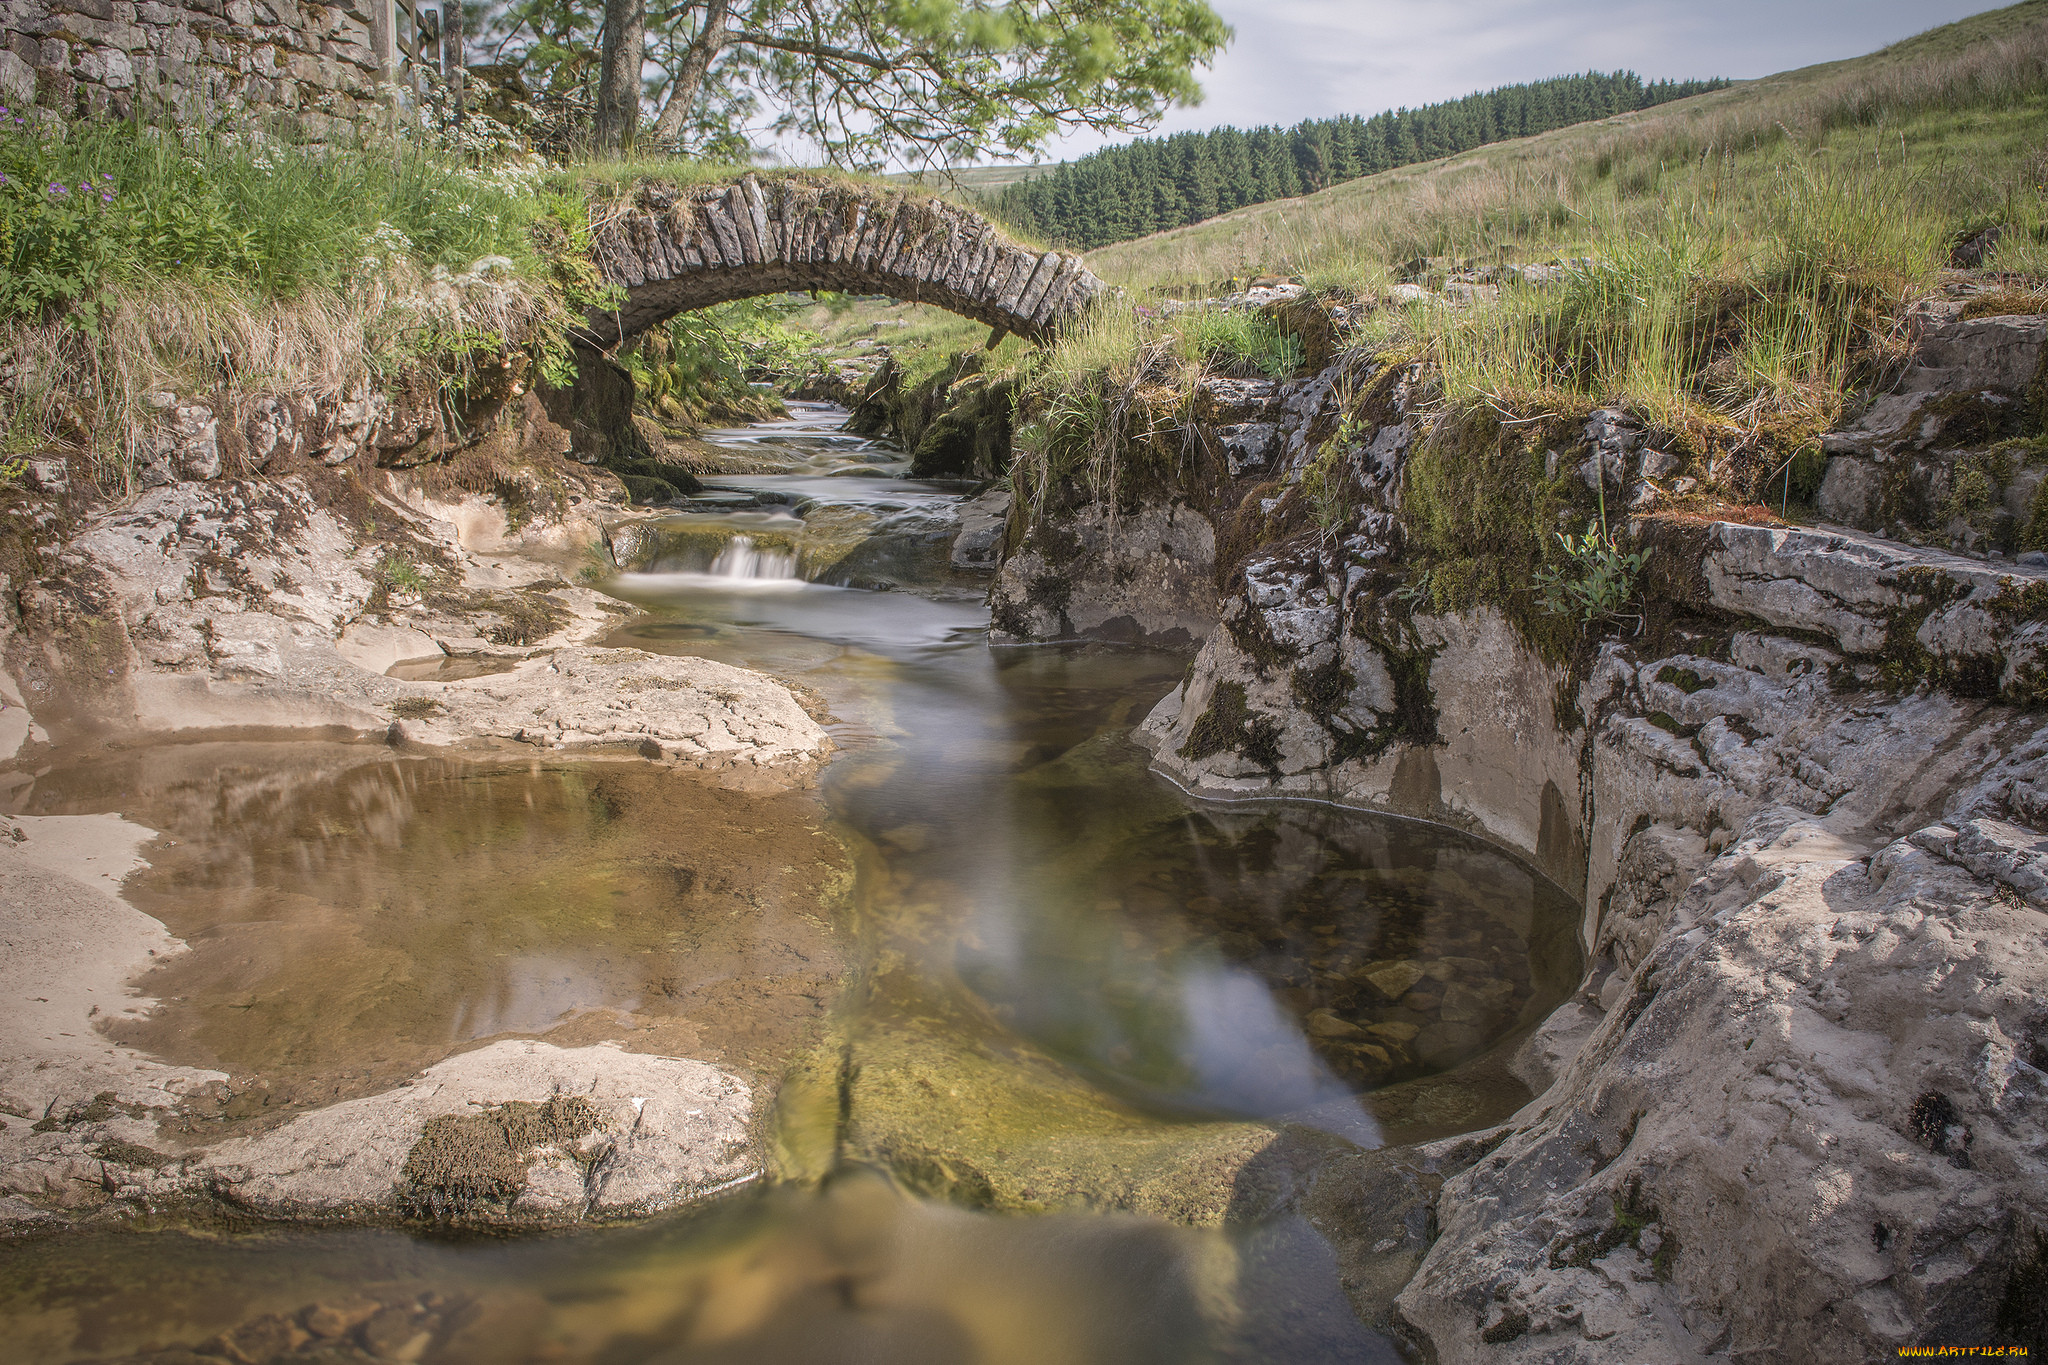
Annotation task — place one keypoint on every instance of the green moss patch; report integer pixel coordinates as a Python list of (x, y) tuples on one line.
[(1231, 725), (469, 1163)]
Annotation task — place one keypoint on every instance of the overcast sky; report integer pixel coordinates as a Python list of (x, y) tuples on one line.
[(1297, 59)]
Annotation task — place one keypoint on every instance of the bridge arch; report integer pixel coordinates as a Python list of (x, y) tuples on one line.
[(675, 250)]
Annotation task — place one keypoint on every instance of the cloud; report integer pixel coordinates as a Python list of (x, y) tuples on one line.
[(1298, 59)]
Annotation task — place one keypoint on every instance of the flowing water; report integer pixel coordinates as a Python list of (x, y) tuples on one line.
[(1037, 1016)]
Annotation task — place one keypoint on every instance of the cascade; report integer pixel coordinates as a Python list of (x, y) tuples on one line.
[(742, 559)]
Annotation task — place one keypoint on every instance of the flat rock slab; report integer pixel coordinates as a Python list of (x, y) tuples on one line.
[(706, 714), (1857, 588), (658, 1131)]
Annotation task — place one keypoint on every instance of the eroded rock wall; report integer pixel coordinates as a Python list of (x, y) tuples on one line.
[(1797, 1107)]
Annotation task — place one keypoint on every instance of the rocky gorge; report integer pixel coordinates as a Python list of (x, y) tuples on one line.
[(1794, 1105)]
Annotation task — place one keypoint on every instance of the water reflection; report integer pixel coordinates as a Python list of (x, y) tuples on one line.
[(355, 915), (854, 1273)]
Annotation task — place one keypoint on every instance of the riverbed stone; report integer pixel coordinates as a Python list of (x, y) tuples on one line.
[(695, 711), (668, 1130)]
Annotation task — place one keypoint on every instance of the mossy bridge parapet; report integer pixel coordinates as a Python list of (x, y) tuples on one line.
[(674, 250)]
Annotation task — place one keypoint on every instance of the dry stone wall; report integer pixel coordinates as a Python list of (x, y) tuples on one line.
[(201, 60)]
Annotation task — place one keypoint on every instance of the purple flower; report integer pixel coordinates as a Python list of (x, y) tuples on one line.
[(56, 188), (106, 175)]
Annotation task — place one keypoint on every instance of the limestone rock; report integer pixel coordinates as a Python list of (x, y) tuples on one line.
[(660, 1131), (1855, 589), (1809, 1126), (1147, 577), (983, 523), (703, 713), (1248, 447)]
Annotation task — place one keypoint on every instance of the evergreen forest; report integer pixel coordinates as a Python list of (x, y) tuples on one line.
[(1154, 184)]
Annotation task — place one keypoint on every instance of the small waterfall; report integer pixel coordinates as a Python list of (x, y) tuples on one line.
[(741, 558)]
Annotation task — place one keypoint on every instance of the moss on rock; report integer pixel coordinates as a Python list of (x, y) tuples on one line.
[(465, 1164)]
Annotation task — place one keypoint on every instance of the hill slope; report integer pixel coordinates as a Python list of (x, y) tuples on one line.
[(1955, 116), (1153, 184)]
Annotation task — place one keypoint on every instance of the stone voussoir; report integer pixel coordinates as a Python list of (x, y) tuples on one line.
[(710, 245)]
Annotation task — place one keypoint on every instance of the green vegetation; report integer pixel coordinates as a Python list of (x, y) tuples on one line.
[(1155, 184), (92, 205), (1729, 273), (697, 367), (866, 84), (1236, 341), (136, 258)]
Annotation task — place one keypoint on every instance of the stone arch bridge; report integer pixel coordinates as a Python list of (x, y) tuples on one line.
[(675, 250)]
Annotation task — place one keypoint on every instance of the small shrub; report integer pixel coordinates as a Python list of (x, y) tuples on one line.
[(1598, 580)]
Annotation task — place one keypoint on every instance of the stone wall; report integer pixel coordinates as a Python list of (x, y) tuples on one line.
[(202, 60)]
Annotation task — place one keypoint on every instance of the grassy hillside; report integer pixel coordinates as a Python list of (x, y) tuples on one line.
[(980, 181), (1953, 118)]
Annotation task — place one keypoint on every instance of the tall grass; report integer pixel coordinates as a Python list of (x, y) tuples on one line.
[(1742, 302), (206, 264), (268, 219)]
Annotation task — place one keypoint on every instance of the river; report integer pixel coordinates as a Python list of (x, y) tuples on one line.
[(1036, 1014)]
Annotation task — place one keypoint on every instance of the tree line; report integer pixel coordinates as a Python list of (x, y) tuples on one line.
[(1158, 183)]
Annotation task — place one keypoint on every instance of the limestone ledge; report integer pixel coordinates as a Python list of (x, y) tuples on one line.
[(247, 604), (1809, 1123)]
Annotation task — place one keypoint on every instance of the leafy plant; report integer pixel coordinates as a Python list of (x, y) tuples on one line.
[(1326, 483), (1600, 579), (57, 235)]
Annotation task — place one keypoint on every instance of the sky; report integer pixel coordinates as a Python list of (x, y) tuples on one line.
[(1297, 59)]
